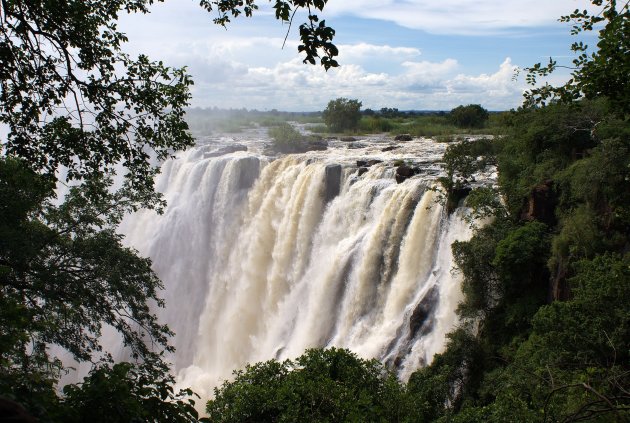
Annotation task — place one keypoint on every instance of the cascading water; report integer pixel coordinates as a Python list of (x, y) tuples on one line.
[(264, 258)]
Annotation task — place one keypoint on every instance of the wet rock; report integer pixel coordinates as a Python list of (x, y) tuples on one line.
[(347, 139), (404, 172), (248, 171), (362, 170), (421, 320), (456, 195), (541, 204), (390, 148), (299, 146), (403, 137), (357, 145), (225, 150), (318, 145), (332, 181), (368, 163)]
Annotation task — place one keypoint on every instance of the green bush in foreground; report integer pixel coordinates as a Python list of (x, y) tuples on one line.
[(320, 386)]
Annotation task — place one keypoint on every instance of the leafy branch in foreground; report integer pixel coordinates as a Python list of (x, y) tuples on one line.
[(64, 276), (80, 112), (73, 99), (601, 73)]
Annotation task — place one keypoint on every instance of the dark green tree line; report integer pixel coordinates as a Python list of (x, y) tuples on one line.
[(321, 385), (471, 116), (546, 281)]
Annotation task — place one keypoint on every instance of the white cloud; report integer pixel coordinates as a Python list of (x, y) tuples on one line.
[(459, 16), (291, 85), (498, 84), (246, 66), (364, 51)]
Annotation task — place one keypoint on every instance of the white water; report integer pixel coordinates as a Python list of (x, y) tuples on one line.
[(263, 267)]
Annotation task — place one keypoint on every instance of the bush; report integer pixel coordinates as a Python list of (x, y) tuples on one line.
[(471, 116), (376, 124), (342, 114), (321, 385), (286, 139)]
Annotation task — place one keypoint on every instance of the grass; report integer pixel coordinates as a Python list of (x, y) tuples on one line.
[(209, 121)]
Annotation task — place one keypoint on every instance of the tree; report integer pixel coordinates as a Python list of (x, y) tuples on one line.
[(342, 114), (602, 73), (331, 385), (64, 274), (134, 393), (72, 98), (461, 161), (78, 110), (545, 298), (471, 116)]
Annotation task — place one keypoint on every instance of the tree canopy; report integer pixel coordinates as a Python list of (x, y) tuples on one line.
[(544, 283), (471, 116), (342, 114), (72, 98), (331, 385), (602, 73)]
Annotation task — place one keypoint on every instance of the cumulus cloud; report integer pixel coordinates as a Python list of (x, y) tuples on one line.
[(291, 85), (247, 66), (369, 52), (498, 84)]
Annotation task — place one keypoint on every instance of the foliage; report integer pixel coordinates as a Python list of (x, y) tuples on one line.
[(542, 363), (78, 111), (321, 385), (286, 139), (442, 388), (64, 275), (547, 302), (484, 203), (426, 124), (342, 114), (461, 161), (376, 124), (471, 116), (316, 37), (284, 133), (71, 97), (544, 141), (125, 392), (604, 72)]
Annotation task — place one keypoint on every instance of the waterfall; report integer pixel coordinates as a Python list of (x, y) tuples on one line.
[(264, 258)]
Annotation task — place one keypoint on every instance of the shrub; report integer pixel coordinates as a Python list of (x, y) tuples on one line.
[(471, 116), (342, 114)]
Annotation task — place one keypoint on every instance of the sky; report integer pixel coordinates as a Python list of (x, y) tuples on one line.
[(408, 54)]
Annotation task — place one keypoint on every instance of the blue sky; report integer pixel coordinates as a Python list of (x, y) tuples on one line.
[(409, 54)]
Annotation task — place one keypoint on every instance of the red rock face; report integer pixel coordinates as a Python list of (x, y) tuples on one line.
[(541, 204)]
